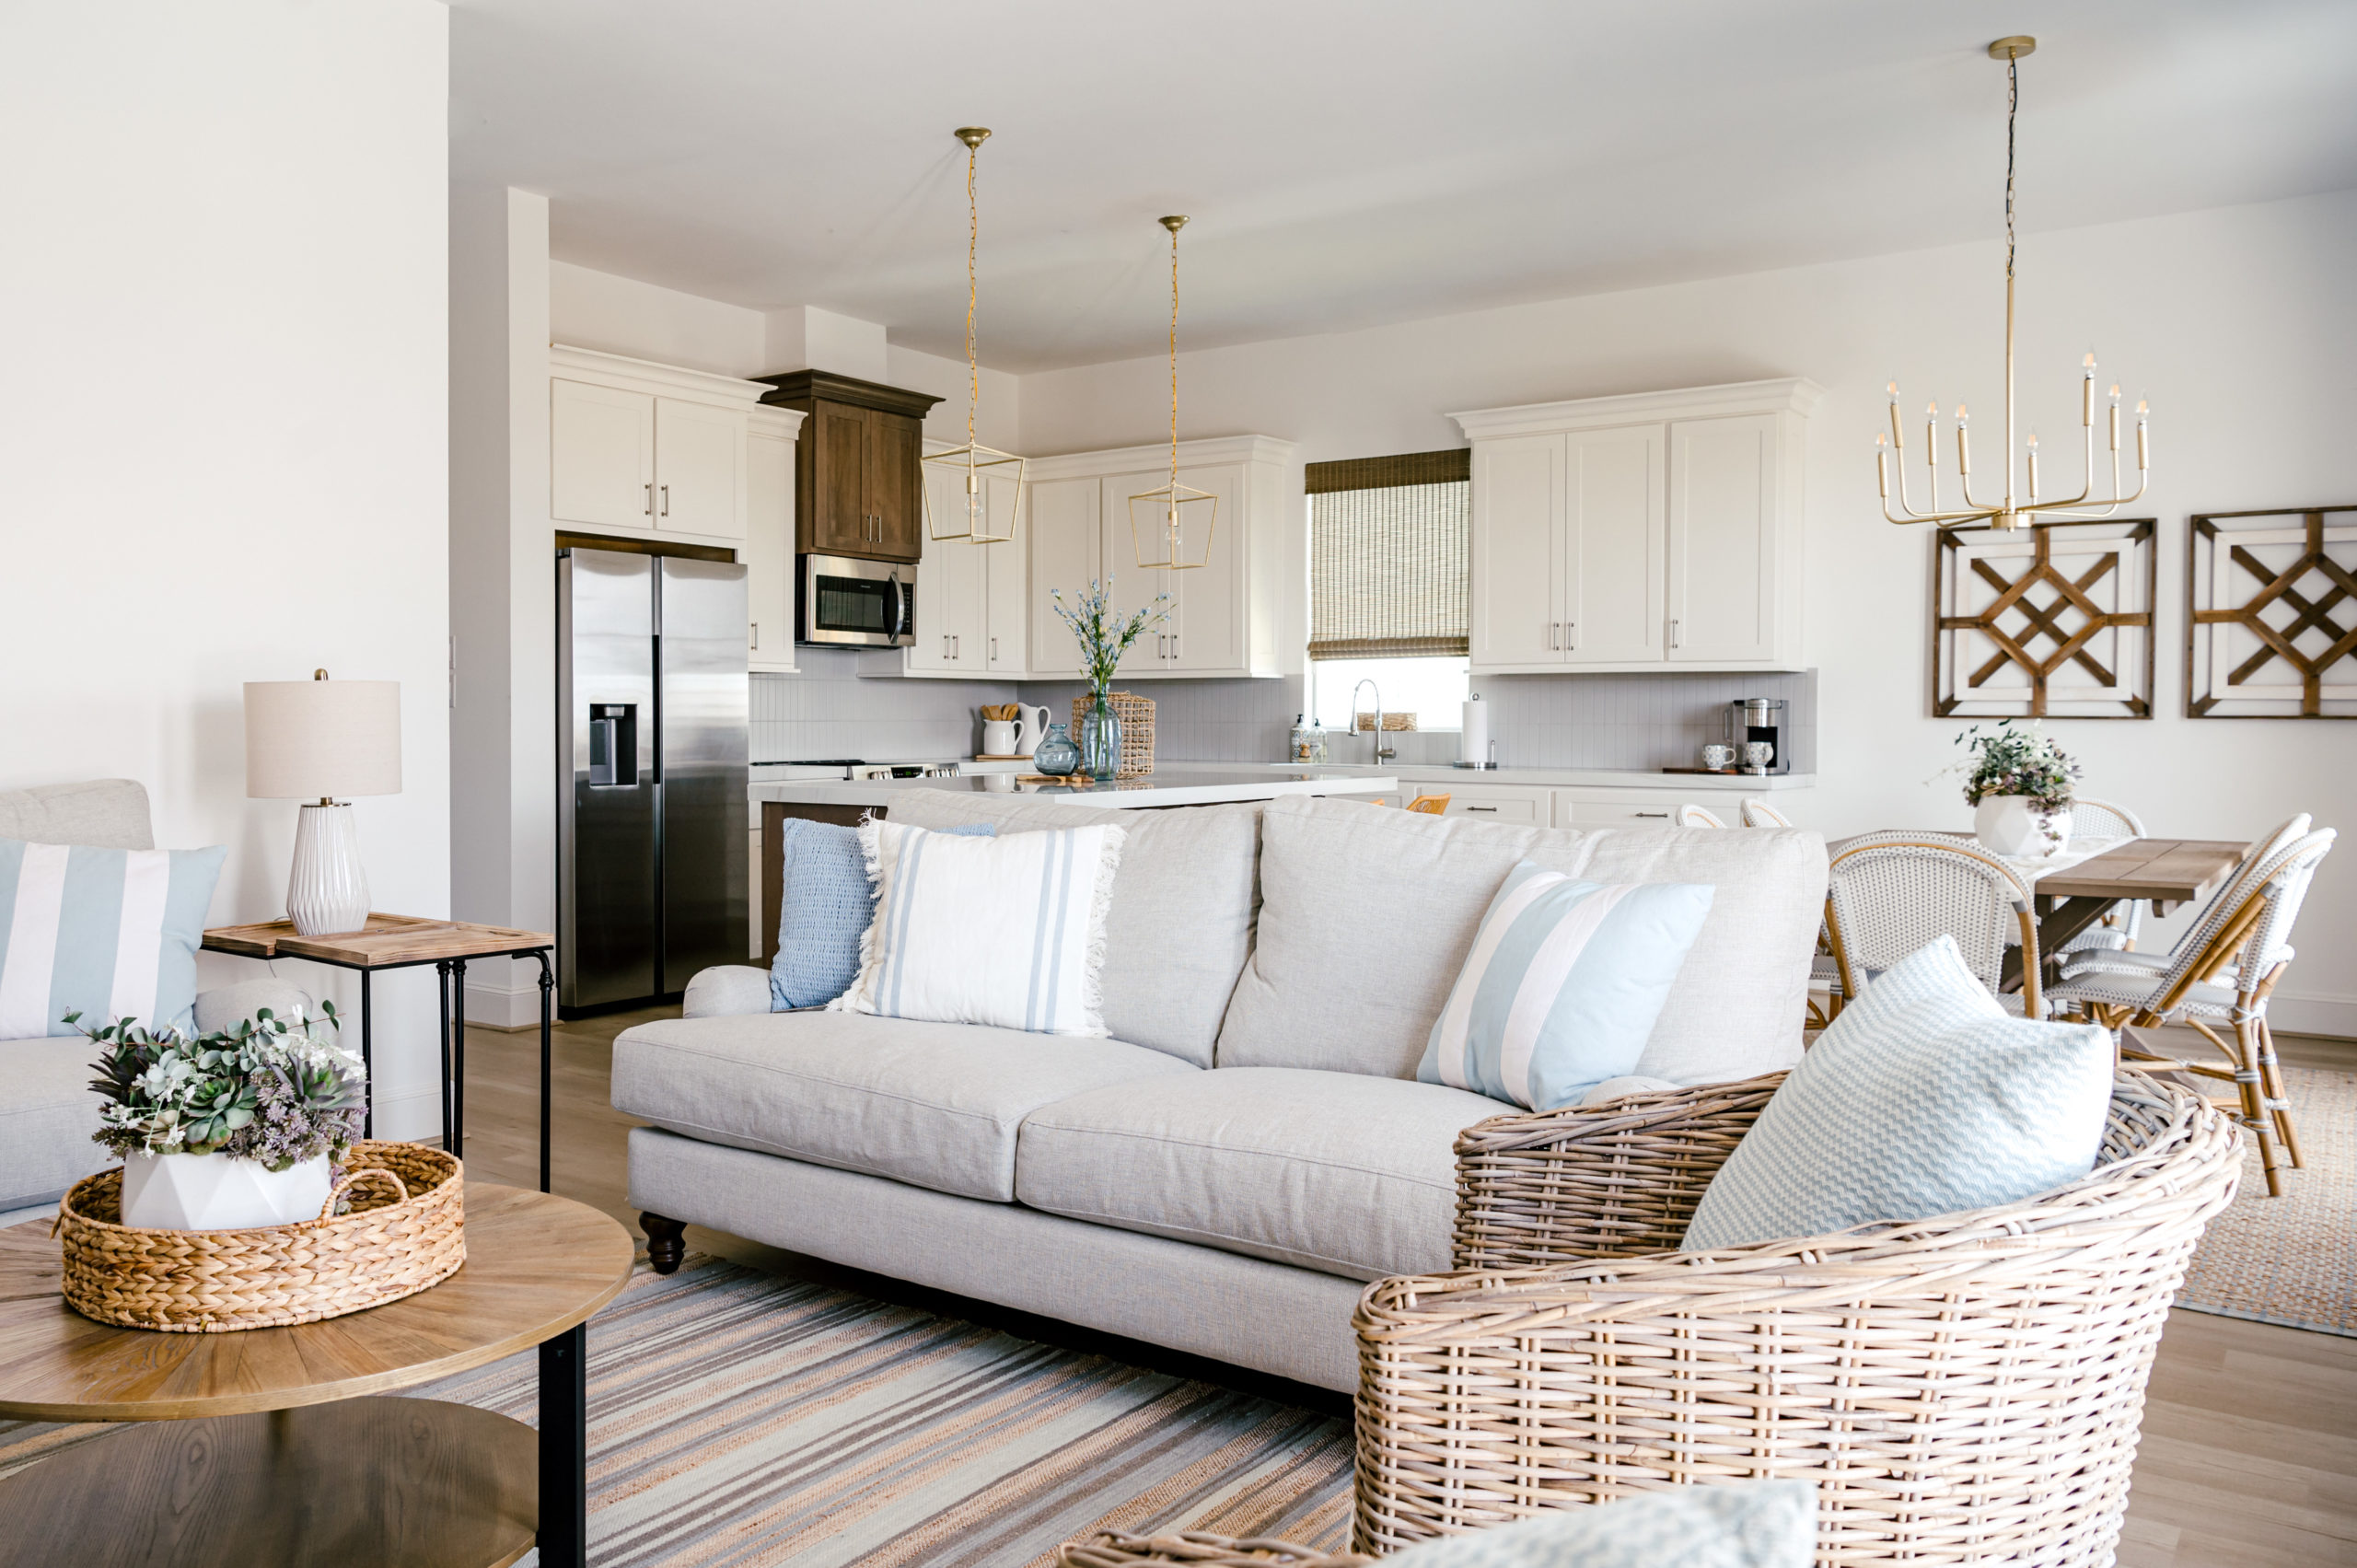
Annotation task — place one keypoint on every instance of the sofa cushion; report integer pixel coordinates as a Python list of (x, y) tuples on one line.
[(1338, 1172), (103, 813), (936, 1105), (1368, 914), (1182, 918), (47, 1114)]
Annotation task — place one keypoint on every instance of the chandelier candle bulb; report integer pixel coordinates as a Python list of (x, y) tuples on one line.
[(2033, 465), (1882, 467)]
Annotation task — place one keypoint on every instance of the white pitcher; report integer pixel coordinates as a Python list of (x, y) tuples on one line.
[(1033, 729)]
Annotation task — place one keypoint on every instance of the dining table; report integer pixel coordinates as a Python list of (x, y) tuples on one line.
[(2075, 887)]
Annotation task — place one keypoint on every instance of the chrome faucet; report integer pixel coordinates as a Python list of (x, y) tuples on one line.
[(1382, 753)]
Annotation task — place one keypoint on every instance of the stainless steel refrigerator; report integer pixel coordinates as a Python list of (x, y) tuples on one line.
[(651, 807)]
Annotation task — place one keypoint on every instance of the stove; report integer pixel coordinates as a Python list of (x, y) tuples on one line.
[(853, 768)]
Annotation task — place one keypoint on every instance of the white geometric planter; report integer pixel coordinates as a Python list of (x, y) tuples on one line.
[(219, 1193), (2012, 824)]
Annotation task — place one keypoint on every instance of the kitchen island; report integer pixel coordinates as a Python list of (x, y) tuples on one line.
[(846, 801)]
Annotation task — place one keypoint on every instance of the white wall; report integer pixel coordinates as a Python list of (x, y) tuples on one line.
[(223, 416), (2238, 324)]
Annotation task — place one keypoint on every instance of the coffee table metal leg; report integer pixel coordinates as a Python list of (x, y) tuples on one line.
[(457, 1145), (442, 1000), (564, 1449), (548, 983), (367, 1060)]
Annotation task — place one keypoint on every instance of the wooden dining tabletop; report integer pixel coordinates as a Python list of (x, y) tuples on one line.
[(2167, 871)]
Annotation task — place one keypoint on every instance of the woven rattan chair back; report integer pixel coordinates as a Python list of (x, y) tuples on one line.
[(1430, 805), (2271, 941), (1890, 893), (2230, 922), (2101, 819), (1960, 1389), (1760, 814), (1693, 815)]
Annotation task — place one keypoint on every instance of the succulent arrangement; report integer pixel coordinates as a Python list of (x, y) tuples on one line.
[(2023, 761), (270, 1090), (1105, 634)]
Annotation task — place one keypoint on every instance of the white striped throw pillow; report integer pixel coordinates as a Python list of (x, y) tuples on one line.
[(1007, 932), (1562, 986), (106, 932)]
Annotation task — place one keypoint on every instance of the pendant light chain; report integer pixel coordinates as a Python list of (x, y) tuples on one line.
[(1174, 369), (2013, 107), (973, 233)]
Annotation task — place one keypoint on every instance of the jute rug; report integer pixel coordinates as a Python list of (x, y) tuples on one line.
[(737, 1418), (2290, 1259)]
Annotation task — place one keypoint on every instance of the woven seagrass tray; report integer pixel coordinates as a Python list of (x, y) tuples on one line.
[(1116, 1549), (405, 1230), (1136, 715)]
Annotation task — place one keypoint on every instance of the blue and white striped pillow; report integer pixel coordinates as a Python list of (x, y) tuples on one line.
[(108, 933), (1562, 986)]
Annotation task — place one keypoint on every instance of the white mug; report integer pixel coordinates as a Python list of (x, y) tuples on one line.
[(1715, 756), (1757, 754), (998, 738)]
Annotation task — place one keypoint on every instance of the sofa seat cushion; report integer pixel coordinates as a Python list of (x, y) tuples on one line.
[(935, 1105), (1339, 1172), (47, 1114)]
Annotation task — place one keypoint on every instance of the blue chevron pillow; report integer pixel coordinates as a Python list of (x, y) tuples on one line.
[(1925, 1097), (1764, 1523)]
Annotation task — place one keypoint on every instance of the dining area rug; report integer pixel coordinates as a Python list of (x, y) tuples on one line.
[(739, 1420), (2290, 1259)]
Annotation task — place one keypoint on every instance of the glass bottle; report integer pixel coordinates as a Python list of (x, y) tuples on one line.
[(1100, 737), (1056, 755)]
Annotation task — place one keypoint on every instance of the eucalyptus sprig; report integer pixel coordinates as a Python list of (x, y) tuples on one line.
[(269, 1090), (2023, 761), (1105, 635)]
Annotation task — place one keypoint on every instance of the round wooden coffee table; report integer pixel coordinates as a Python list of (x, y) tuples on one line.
[(253, 1463)]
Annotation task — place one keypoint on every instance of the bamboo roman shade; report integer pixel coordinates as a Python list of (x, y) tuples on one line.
[(1387, 556)]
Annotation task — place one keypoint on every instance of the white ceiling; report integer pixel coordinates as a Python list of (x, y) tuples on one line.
[(1348, 162)]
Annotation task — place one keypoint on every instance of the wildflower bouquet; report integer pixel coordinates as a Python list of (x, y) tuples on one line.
[(2017, 761), (1105, 635)]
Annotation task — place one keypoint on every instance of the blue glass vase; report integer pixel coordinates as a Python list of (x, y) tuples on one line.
[(1056, 755), (1100, 737)]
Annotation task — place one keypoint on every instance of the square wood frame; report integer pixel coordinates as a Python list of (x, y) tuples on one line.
[(2067, 624), (2320, 578)]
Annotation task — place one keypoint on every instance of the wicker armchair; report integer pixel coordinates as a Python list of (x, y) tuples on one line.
[(1965, 1389)]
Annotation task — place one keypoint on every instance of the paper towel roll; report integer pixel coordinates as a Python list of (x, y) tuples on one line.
[(1473, 744)]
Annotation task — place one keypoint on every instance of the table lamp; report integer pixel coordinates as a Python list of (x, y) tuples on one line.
[(312, 741)]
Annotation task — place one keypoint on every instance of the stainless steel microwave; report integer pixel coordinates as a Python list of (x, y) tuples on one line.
[(854, 603)]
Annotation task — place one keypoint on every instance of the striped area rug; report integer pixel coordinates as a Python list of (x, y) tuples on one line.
[(2290, 1259), (737, 1418)]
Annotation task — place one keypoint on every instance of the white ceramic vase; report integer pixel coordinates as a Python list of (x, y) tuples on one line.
[(2012, 824), (220, 1191), (326, 890)]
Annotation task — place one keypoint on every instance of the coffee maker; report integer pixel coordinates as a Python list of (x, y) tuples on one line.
[(1758, 719)]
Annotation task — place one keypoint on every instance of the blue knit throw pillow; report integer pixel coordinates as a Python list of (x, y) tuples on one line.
[(1925, 1097), (824, 905)]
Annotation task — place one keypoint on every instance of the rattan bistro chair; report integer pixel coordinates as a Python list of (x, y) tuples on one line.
[(2079, 962), (1889, 893), (2222, 974), (2120, 924), (1758, 813), (1960, 1389), (1693, 815)]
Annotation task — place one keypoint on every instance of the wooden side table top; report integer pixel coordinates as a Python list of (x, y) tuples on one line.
[(387, 940), (536, 1266)]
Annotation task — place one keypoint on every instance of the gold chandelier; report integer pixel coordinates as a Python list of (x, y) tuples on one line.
[(1160, 519), (985, 504), (2011, 511)]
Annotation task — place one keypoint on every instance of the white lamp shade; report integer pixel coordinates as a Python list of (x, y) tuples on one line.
[(322, 740)]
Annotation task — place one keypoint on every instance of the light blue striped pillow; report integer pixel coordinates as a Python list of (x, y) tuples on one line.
[(1562, 986), (108, 933)]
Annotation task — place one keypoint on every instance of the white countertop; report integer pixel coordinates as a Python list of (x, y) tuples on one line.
[(1171, 784), (1573, 778)]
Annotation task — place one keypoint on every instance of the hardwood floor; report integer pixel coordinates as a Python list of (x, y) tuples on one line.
[(2249, 1451)]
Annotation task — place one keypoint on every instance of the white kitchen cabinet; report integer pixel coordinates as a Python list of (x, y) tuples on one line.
[(1222, 616), (972, 615), (1624, 807), (1654, 532), (699, 469), (1007, 591), (601, 456), (1529, 806), (651, 451), (768, 554)]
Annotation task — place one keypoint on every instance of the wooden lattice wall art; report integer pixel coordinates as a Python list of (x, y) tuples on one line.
[(2271, 614), (2050, 622)]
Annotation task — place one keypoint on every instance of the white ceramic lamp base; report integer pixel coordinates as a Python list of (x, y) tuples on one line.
[(326, 892), (219, 1193)]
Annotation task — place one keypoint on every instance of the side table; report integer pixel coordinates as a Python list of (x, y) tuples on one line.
[(401, 942), (251, 1463)]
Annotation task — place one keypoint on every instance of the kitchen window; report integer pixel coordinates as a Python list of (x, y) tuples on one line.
[(1388, 584)]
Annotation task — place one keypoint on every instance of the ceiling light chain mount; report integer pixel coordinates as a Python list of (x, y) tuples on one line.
[(2013, 510), (976, 470), (1160, 521)]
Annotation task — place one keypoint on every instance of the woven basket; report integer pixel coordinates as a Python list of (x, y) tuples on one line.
[(1965, 1389), (1136, 715), (405, 1231), (1116, 1548)]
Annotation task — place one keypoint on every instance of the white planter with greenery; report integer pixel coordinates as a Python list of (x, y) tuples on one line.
[(2018, 784), (233, 1130)]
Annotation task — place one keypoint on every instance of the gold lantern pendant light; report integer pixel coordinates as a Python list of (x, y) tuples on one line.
[(2011, 508), (983, 486), (1165, 523)]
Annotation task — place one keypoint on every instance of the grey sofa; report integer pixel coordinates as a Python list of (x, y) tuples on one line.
[(47, 1111), (1224, 1174)]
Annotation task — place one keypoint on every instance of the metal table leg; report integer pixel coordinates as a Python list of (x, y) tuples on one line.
[(367, 1060), (564, 1449), (457, 1145), (442, 1000), (548, 985)]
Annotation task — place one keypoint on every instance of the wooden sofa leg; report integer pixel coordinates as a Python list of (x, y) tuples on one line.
[(666, 1244)]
